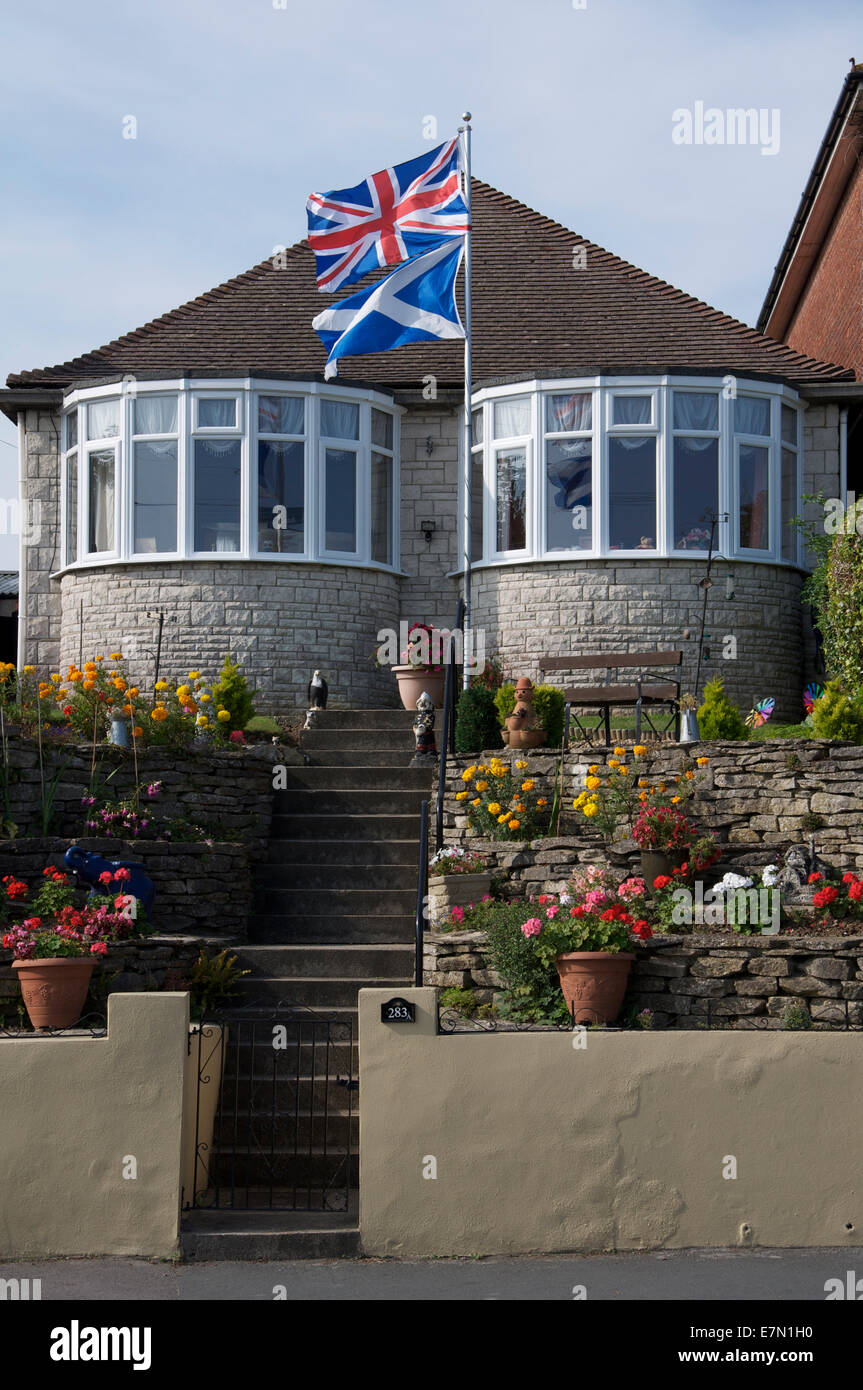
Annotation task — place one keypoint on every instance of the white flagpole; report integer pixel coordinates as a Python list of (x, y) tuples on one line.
[(465, 130)]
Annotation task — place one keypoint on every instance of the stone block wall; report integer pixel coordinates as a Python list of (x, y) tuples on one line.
[(40, 552)]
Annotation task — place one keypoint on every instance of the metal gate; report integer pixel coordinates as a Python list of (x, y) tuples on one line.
[(272, 1122)]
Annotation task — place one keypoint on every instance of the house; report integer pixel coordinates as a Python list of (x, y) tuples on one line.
[(815, 299), (200, 467)]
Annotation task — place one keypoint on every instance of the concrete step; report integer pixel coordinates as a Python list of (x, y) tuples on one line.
[(340, 853), (316, 1168), (322, 993), (335, 875), (396, 717), (360, 757), (307, 802), (285, 1129), (345, 929), (331, 1043), (305, 1093), (384, 961), (271, 1235), (337, 825), (294, 903), (351, 739), (367, 778)]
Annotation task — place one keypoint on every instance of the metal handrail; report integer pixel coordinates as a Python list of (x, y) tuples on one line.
[(422, 892), (447, 733)]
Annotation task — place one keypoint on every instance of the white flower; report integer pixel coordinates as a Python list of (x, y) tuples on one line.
[(731, 882), (770, 875), (565, 897)]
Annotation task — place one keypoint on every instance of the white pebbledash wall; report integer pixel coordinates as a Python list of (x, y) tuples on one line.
[(282, 620)]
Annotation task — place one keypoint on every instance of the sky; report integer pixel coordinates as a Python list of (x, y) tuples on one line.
[(241, 107)]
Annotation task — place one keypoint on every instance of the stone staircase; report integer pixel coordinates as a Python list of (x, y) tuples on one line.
[(334, 913)]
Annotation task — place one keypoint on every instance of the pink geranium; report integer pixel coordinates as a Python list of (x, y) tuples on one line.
[(551, 912), (532, 927)]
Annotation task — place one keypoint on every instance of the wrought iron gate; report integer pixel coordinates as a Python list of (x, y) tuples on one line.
[(272, 1122)]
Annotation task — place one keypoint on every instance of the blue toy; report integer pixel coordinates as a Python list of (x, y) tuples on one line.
[(88, 866)]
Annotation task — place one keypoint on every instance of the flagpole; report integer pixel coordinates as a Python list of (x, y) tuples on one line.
[(466, 131)]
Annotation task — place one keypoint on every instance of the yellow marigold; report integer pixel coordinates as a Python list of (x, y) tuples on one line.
[(161, 685), (675, 799), (612, 762), (579, 801), (223, 715), (28, 670), (501, 819), (593, 769), (662, 786), (137, 732), (591, 809), (702, 762), (75, 677), (623, 771), (481, 786), (620, 752), (189, 707), (527, 786), (459, 796), (133, 691), (116, 656), (689, 775), (183, 691), (62, 694), (88, 685), (541, 801), (159, 714), (194, 675), (494, 808), (514, 824), (592, 783), (119, 683), (202, 721), (469, 773), (204, 696), (521, 764), (642, 781), (127, 709), (477, 801), (642, 796), (639, 750), (55, 679), (100, 658), (482, 768)]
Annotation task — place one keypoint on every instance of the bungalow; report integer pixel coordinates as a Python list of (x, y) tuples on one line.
[(201, 467)]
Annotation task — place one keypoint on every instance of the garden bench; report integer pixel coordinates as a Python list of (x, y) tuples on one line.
[(642, 695)]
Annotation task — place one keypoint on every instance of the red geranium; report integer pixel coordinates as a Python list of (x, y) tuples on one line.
[(815, 878), (855, 890), (661, 881), (825, 896)]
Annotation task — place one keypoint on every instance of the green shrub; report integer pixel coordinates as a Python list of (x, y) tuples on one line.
[(463, 1001), (476, 722), (548, 704), (837, 715), (532, 992), (843, 638), (231, 692), (718, 717)]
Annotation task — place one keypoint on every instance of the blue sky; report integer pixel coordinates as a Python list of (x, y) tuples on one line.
[(242, 108)]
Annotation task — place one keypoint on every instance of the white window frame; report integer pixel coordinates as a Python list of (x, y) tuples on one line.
[(131, 440), (682, 433), (257, 437)]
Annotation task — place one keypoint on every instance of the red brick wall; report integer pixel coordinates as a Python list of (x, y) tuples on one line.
[(828, 322)]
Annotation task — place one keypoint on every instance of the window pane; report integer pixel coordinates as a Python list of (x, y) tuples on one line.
[(631, 410), (382, 429), (789, 425), (477, 499), (280, 415), (754, 497), (632, 494), (217, 413), (476, 427), (382, 509), (696, 492), (568, 413), (696, 410), (72, 430), (340, 420), (511, 509), (71, 509), (155, 506), (281, 498), (100, 535), (103, 420), (789, 502), (340, 512), (217, 494), (156, 415), (751, 415), (568, 495), (512, 418)]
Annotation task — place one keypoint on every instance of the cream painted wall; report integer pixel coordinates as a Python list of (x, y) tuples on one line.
[(542, 1147), (75, 1112)]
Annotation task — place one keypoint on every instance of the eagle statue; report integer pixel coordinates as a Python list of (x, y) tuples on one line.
[(318, 691)]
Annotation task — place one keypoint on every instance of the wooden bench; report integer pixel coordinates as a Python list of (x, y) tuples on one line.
[(642, 695)]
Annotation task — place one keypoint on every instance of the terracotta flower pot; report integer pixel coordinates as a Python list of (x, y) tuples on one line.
[(413, 680), (526, 738), (54, 990), (594, 983)]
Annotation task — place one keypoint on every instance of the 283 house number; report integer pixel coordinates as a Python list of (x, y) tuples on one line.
[(398, 1011)]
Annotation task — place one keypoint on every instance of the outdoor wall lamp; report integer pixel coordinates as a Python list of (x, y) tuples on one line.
[(428, 529)]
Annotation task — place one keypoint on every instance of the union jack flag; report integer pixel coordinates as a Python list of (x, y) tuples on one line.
[(390, 217)]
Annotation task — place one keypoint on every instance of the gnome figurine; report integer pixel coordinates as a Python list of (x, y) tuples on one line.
[(426, 752)]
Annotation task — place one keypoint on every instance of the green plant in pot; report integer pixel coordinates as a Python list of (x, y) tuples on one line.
[(592, 945), (664, 835)]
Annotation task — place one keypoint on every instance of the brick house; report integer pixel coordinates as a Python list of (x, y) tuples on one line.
[(612, 413)]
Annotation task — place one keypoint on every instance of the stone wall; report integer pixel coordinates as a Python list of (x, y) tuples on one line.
[(754, 796), (230, 791), (717, 979), (40, 552)]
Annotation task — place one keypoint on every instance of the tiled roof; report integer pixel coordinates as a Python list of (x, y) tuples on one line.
[(534, 315)]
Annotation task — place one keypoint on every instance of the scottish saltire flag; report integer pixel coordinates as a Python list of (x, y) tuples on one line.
[(414, 304), (388, 218)]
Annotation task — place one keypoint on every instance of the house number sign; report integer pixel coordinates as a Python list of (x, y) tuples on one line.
[(398, 1011)]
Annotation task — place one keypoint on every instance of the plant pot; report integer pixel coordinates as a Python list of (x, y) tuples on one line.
[(594, 983), (54, 990), (413, 681), (447, 891), (660, 861), (688, 727), (526, 738)]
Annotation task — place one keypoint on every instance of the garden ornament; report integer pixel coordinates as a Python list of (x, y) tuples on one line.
[(89, 865), (424, 731), (318, 692)]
